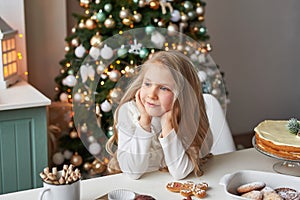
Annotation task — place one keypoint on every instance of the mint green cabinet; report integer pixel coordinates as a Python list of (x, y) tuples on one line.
[(23, 148)]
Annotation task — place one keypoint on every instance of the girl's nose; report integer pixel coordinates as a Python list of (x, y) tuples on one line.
[(152, 92)]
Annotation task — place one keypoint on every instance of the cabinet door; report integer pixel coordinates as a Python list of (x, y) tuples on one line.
[(23, 148)]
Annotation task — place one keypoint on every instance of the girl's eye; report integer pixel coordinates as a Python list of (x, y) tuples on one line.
[(164, 88), (147, 84)]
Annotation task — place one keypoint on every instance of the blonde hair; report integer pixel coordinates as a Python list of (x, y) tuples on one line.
[(189, 102)]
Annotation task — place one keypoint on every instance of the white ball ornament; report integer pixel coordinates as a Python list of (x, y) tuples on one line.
[(103, 76), (91, 139), (79, 51), (157, 39), (202, 76), (63, 97), (100, 68), (200, 10), (216, 92), (68, 154), (175, 16), (106, 52), (116, 94), (106, 106), (142, 3), (75, 42), (95, 148), (58, 158), (108, 7), (202, 58), (77, 97), (180, 47), (84, 128), (70, 80), (94, 52), (194, 57)]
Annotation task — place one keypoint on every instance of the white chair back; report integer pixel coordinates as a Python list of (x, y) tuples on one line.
[(222, 137)]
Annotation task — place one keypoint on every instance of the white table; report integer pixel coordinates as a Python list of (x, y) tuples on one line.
[(154, 183), (22, 95)]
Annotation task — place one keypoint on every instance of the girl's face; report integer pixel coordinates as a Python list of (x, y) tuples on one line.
[(157, 90)]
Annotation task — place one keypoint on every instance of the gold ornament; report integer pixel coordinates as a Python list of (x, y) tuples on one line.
[(98, 167), (76, 159), (142, 3), (114, 75), (90, 24), (161, 23), (87, 166), (195, 29), (127, 21), (154, 4), (137, 17), (84, 3), (184, 17), (109, 23), (172, 29), (71, 124), (67, 48), (201, 18), (73, 134), (96, 40), (81, 24), (124, 13)]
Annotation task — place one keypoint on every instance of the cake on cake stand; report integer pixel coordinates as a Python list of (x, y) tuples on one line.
[(285, 166)]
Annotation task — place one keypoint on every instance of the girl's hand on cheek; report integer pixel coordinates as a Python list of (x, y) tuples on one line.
[(167, 122), (145, 119), (139, 103)]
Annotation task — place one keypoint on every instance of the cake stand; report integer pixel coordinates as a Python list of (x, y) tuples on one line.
[(285, 166)]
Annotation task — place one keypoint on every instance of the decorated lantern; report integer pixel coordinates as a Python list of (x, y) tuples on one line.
[(8, 55)]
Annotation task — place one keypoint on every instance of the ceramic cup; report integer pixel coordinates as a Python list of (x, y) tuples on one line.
[(121, 194), (60, 192)]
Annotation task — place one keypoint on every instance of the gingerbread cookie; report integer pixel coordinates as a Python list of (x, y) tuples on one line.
[(174, 186), (188, 188), (186, 192), (257, 185)]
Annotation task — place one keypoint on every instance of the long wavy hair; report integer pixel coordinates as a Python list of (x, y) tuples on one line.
[(191, 124)]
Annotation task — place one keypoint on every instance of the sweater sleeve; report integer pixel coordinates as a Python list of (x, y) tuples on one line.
[(178, 162), (133, 143)]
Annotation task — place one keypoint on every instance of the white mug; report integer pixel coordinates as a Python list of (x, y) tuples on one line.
[(60, 192)]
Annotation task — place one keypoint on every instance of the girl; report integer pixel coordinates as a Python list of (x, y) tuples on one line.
[(161, 120)]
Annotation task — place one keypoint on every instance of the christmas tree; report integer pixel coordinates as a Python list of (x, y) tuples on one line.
[(108, 43)]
